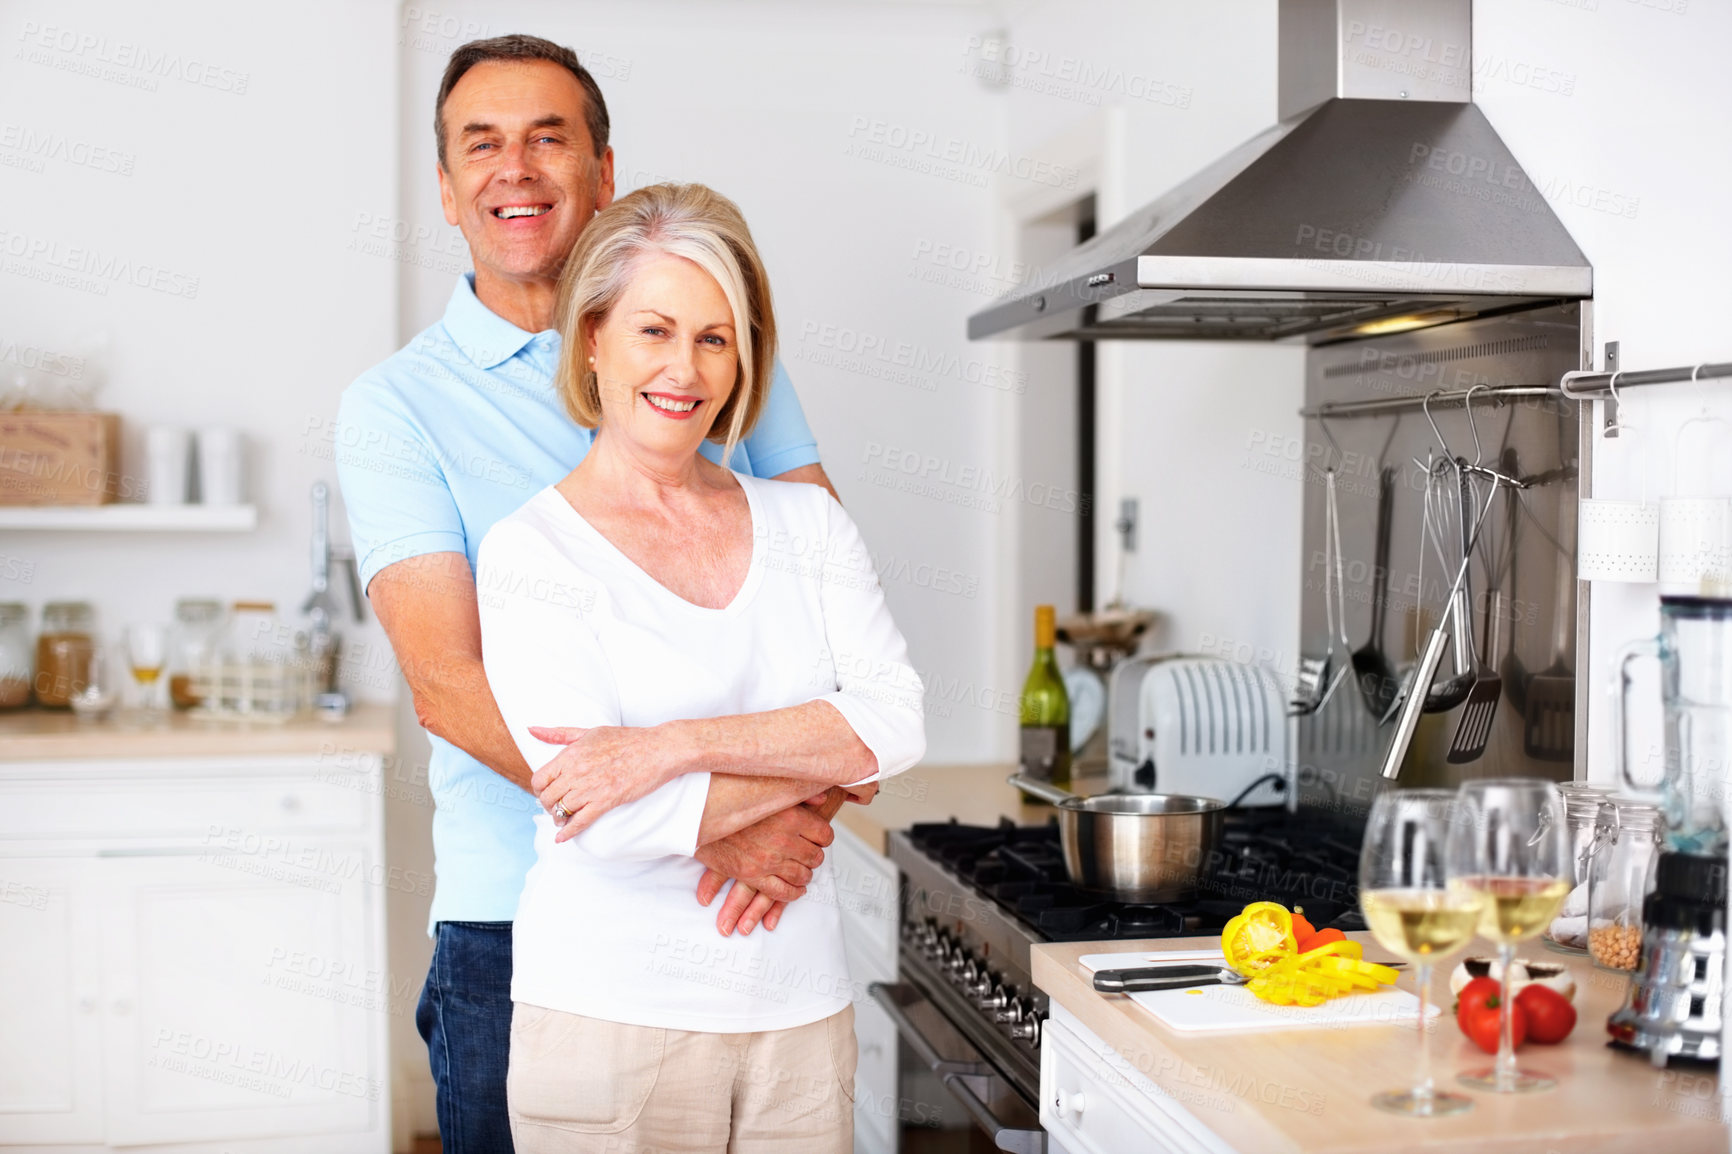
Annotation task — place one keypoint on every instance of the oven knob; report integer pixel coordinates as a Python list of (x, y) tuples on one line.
[(1027, 1030), (979, 983), (959, 964), (1010, 1015), (994, 999)]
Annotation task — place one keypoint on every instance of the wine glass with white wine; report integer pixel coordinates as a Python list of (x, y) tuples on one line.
[(147, 652), (1510, 849), (1411, 911)]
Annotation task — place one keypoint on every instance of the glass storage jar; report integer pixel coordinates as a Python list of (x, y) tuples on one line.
[(198, 626), (63, 651), (1568, 932), (15, 660), (1625, 849)]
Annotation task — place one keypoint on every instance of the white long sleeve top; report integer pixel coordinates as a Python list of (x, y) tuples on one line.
[(575, 634)]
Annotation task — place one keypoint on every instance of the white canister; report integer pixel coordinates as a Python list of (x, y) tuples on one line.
[(1695, 542), (219, 466), (1618, 540), (165, 464)]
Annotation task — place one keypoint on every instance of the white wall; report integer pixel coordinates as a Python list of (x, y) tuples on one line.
[(1634, 160), (1163, 89), (245, 195)]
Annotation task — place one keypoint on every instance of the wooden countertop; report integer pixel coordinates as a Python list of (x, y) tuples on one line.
[(42, 734), (972, 794), (1322, 1080)]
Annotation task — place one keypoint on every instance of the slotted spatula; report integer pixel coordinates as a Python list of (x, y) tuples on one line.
[(1473, 729), (1550, 733)]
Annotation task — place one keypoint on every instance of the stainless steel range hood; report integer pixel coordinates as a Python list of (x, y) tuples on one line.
[(1383, 200)]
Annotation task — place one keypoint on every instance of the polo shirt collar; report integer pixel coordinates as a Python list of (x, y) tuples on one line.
[(485, 337)]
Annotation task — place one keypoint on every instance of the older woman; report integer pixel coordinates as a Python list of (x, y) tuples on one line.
[(716, 648)]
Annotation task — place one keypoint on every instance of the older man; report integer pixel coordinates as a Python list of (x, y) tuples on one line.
[(455, 431)]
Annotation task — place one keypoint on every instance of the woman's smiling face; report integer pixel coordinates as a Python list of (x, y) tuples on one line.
[(666, 357)]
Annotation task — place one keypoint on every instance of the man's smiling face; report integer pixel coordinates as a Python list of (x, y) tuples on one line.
[(521, 178)]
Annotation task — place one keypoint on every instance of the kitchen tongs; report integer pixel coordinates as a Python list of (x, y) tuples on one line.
[(1149, 978)]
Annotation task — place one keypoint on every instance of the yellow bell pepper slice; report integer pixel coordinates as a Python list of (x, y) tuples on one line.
[(1260, 937)]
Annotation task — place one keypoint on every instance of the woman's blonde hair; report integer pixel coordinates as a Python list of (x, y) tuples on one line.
[(684, 220)]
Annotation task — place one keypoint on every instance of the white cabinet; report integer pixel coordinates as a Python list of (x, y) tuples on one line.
[(201, 970), (868, 891), (1092, 1101), (50, 1001)]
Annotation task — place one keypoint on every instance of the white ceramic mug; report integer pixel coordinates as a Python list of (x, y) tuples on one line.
[(1695, 542), (1618, 540), (219, 466), (165, 465)]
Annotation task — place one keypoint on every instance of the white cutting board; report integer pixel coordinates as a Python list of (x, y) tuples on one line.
[(1235, 1010)]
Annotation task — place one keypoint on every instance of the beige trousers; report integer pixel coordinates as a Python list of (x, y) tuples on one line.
[(581, 1085)]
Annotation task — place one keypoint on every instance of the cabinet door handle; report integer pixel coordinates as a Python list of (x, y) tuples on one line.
[(290, 803), (1070, 1102)]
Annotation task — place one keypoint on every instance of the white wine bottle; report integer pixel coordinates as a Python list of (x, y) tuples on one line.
[(1045, 708)]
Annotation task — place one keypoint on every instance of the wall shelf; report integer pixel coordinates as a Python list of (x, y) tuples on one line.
[(131, 518)]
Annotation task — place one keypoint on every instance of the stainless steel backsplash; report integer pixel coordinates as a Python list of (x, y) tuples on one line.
[(1339, 748)]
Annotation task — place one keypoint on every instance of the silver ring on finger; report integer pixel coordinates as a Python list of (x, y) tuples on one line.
[(560, 814)]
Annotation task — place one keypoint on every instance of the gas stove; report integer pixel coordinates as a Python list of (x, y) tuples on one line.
[(976, 898)]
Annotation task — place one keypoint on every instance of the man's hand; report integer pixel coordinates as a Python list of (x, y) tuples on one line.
[(746, 904), (861, 794), (598, 770), (771, 864)]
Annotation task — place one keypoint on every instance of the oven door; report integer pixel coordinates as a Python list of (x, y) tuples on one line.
[(956, 1100)]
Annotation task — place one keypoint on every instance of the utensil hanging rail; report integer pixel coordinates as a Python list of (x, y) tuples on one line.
[(1480, 394), (1592, 386)]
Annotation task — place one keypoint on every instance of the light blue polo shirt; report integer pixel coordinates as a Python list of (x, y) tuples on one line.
[(447, 436)]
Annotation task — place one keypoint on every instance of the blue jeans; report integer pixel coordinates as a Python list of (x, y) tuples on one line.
[(465, 1018)]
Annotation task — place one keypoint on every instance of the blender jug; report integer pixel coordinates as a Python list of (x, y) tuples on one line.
[(1693, 773)]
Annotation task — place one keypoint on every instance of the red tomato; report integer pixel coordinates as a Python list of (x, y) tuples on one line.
[(1477, 1011), (1550, 1015)]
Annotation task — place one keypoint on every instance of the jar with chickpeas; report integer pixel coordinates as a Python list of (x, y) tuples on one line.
[(1626, 849)]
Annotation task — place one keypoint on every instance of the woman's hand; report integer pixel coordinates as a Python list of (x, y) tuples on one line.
[(598, 770)]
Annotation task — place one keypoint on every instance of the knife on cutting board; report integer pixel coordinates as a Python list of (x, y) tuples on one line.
[(1170, 977), (1146, 979)]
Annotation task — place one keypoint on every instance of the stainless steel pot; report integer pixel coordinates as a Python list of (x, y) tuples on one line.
[(1148, 847)]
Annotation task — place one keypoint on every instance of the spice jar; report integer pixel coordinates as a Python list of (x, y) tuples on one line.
[(63, 650), (1568, 932), (1623, 865), (14, 655), (198, 626)]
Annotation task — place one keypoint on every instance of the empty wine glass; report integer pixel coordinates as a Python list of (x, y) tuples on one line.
[(95, 695), (1411, 911), (1510, 849)]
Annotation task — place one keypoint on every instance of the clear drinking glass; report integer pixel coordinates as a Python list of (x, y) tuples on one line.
[(1510, 849), (147, 653), (1404, 892)]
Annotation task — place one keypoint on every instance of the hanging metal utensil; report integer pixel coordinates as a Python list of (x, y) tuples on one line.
[(1446, 696), (1372, 668), (1319, 676), (1473, 729), (1412, 699), (1550, 733)]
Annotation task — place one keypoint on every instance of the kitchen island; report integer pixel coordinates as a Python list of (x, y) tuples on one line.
[(1114, 1079)]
